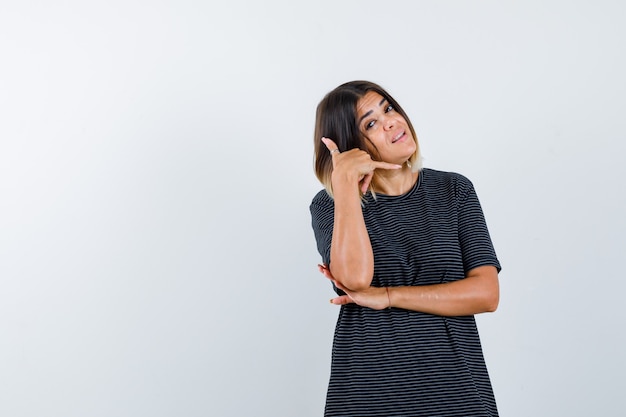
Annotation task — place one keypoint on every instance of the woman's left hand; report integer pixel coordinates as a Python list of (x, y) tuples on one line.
[(373, 297)]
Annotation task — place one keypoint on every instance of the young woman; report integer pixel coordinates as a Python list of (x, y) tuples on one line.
[(409, 254)]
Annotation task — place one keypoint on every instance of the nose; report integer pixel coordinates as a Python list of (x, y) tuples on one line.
[(388, 122)]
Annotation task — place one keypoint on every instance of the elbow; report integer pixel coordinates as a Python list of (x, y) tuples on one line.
[(492, 301), (353, 276), (359, 285), (355, 282), (488, 289)]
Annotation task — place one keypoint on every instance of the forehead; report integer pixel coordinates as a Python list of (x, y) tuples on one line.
[(370, 101)]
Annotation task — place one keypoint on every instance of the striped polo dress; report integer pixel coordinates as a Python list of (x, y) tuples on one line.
[(397, 362)]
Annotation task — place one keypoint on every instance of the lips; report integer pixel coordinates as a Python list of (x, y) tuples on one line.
[(399, 136)]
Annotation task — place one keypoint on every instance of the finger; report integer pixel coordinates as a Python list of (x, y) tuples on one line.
[(341, 300), (386, 165), (365, 183), (326, 273), (331, 146)]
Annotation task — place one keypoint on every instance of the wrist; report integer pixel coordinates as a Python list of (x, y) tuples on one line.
[(344, 180)]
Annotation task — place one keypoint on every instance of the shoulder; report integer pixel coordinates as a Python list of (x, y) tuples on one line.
[(322, 200), (446, 179), (322, 210)]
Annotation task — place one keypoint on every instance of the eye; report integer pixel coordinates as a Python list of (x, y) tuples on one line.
[(389, 108), (370, 124)]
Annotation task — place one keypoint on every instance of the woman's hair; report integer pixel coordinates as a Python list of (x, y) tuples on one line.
[(336, 119)]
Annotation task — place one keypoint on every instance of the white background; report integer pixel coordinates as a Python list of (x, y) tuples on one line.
[(156, 254)]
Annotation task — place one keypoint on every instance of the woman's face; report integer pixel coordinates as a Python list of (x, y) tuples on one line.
[(387, 131)]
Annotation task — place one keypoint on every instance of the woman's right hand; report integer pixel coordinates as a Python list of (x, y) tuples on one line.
[(354, 165)]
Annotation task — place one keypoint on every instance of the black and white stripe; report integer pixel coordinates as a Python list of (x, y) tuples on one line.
[(397, 362)]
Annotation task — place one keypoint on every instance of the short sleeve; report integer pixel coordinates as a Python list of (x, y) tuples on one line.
[(476, 246), (322, 220)]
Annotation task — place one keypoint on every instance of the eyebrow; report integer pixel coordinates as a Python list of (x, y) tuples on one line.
[(370, 112)]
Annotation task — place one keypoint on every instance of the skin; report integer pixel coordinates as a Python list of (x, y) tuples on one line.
[(477, 293), (389, 138)]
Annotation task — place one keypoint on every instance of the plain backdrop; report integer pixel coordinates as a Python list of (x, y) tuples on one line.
[(156, 253)]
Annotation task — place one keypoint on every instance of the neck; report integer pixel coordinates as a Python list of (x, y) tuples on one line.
[(395, 181)]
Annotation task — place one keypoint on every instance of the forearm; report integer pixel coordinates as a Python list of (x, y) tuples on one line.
[(352, 258), (477, 293)]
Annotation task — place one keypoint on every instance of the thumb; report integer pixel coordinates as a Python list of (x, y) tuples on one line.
[(341, 300), (330, 144)]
